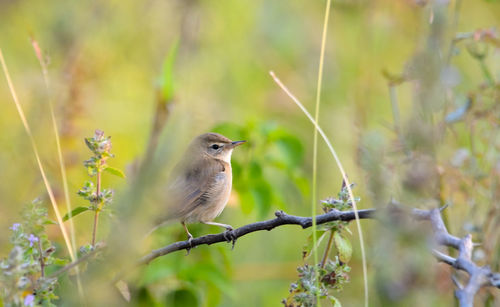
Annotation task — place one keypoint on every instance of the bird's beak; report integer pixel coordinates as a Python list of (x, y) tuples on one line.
[(237, 143)]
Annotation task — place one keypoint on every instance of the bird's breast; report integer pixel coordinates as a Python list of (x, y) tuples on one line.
[(224, 183)]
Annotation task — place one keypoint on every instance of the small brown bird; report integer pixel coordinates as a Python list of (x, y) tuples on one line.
[(201, 182)]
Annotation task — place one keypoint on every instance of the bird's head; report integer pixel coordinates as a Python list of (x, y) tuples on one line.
[(215, 145)]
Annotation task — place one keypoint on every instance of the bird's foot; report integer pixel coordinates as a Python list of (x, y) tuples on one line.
[(190, 241), (230, 236)]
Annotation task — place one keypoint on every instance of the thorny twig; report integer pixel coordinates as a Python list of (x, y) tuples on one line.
[(478, 276)]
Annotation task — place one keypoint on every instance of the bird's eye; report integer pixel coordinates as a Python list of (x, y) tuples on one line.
[(215, 146)]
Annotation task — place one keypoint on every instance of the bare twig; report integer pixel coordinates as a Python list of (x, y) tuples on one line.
[(478, 276), (281, 219)]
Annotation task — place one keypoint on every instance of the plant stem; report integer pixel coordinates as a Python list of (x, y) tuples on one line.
[(327, 250), (344, 176), (98, 201), (96, 218), (42, 264), (487, 73), (315, 141), (396, 116), (45, 73), (27, 128)]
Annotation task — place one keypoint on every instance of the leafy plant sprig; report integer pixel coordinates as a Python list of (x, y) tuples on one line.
[(331, 277), (98, 197), (23, 281), (331, 274)]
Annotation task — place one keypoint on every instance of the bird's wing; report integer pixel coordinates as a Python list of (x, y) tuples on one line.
[(194, 186)]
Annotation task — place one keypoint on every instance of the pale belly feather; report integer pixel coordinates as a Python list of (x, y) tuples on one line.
[(218, 199)]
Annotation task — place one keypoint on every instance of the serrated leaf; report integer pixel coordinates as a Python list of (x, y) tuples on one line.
[(75, 212), (115, 171), (343, 246)]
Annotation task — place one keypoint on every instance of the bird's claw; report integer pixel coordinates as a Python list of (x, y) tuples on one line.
[(190, 241), (230, 236)]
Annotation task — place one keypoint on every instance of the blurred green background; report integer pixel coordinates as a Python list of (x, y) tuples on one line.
[(105, 64)]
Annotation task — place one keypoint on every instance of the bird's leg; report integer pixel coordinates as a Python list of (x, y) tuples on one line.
[(228, 234), (190, 237), (228, 227)]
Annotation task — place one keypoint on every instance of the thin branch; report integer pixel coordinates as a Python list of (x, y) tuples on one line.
[(478, 276), (444, 258), (281, 219)]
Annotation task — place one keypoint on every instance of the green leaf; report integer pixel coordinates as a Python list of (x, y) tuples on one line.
[(167, 78), (115, 171), (143, 297), (309, 246), (286, 150), (60, 261), (231, 130), (50, 222), (75, 212), (291, 150), (262, 195), (255, 170), (335, 301), (246, 201), (210, 273), (182, 297), (343, 246)]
